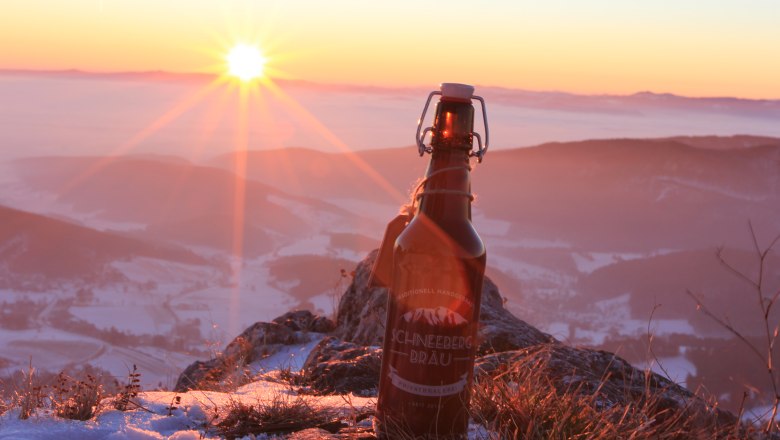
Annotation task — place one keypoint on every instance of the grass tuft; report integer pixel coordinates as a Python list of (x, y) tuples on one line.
[(278, 415), (30, 397)]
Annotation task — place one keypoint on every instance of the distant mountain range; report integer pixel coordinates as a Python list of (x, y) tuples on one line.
[(38, 250), (618, 194), (629, 195)]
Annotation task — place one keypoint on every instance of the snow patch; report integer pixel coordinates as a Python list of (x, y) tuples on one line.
[(678, 368), (308, 213), (380, 212), (490, 227), (728, 192), (313, 244), (290, 356), (588, 262)]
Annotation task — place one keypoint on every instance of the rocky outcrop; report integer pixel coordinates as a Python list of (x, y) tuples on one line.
[(510, 350), (260, 340), (500, 330), (339, 367), (362, 310)]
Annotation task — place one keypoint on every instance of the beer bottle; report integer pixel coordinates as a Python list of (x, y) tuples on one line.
[(435, 286)]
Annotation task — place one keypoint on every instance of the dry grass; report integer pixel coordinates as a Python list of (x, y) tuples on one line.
[(30, 396), (523, 403), (281, 414), (236, 374)]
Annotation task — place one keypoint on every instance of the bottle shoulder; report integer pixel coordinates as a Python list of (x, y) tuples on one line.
[(457, 237)]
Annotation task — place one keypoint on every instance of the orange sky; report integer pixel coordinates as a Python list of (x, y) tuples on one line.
[(728, 48)]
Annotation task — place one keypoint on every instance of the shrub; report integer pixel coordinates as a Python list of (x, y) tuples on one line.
[(76, 399)]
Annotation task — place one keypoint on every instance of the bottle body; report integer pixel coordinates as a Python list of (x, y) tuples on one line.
[(431, 331)]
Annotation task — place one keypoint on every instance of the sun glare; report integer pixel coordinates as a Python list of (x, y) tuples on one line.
[(246, 62)]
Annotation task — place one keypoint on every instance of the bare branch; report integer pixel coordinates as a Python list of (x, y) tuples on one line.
[(771, 245), (771, 302), (726, 325), (732, 269), (753, 236)]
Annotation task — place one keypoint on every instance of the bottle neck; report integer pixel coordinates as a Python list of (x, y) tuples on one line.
[(446, 194), (453, 126)]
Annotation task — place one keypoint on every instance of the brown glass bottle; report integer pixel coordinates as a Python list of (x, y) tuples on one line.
[(433, 306)]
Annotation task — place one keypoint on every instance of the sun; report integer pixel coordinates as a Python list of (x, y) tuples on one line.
[(246, 62)]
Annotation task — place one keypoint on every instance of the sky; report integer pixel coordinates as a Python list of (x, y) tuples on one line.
[(687, 47)]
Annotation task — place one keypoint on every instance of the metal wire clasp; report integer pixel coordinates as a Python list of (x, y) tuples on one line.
[(420, 137)]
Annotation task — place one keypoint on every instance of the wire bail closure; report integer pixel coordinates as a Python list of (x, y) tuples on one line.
[(421, 134)]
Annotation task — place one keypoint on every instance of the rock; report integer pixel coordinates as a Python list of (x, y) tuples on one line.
[(260, 340), (339, 367), (499, 329), (198, 374), (361, 316), (304, 320)]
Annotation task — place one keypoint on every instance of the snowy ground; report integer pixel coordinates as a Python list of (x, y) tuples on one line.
[(158, 418), (191, 420)]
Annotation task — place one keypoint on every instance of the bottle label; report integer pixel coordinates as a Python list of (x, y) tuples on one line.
[(432, 347)]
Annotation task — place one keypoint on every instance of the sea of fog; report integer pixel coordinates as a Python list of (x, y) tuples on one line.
[(79, 114)]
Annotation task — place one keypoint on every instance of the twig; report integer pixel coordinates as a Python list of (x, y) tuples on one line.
[(765, 303), (650, 344)]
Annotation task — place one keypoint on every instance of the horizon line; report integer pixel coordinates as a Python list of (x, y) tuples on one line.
[(164, 75)]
